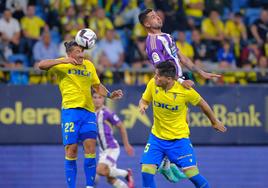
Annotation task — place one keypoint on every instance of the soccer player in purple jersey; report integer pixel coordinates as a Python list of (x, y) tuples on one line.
[(109, 147), (161, 47)]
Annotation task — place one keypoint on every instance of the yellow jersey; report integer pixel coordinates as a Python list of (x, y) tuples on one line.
[(32, 25), (191, 11), (186, 49), (213, 30), (233, 30), (170, 109), (100, 26), (75, 83)]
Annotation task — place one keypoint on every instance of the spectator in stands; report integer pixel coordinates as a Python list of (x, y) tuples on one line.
[(45, 48), (221, 6), (262, 75), (212, 27), (194, 11), (60, 5), (113, 54), (53, 15), (226, 56), (100, 23), (147, 4), (236, 31), (14, 5), (10, 31), (259, 29), (136, 55), (32, 27), (200, 48), (5, 51), (128, 15), (235, 28), (86, 5), (18, 77), (138, 31), (62, 50), (175, 18), (184, 47), (71, 22), (166, 28), (31, 24), (250, 54), (213, 31), (17, 7)]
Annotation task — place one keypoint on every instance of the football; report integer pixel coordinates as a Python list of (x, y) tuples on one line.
[(86, 38)]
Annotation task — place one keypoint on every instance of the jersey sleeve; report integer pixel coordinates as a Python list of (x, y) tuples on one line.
[(147, 95), (113, 118), (56, 68), (193, 97)]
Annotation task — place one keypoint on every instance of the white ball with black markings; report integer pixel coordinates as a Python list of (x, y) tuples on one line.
[(86, 38)]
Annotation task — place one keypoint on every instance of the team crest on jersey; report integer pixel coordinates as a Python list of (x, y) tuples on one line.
[(155, 57)]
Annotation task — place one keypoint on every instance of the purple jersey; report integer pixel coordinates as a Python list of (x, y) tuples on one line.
[(105, 120), (162, 47)]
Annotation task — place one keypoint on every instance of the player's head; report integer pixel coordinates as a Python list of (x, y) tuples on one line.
[(165, 73), (98, 100), (150, 19), (75, 51)]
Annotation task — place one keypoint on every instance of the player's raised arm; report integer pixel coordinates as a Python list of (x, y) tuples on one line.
[(48, 63), (191, 66), (101, 89), (216, 124)]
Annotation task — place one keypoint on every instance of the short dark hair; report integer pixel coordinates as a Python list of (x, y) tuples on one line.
[(143, 15), (167, 69), (69, 45)]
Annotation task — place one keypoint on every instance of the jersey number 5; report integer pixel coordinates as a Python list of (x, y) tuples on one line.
[(146, 148)]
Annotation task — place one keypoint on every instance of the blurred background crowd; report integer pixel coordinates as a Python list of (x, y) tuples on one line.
[(226, 36)]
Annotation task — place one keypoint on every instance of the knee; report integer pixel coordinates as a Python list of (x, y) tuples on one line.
[(71, 151), (90, 146), (103, 170)]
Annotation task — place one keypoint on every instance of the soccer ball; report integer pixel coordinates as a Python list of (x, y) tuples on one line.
[(86, 38)]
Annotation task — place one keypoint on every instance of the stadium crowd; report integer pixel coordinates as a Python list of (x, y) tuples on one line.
[(218, 35)]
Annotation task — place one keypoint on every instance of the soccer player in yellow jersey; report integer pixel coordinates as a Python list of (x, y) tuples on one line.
[(170, 132), (161, 47), (76, 77)]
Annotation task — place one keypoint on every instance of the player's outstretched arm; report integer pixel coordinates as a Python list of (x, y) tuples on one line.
[(143, 105), (101, 89), (129, 149), (48, 63), (216, 124), (191, 66)]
